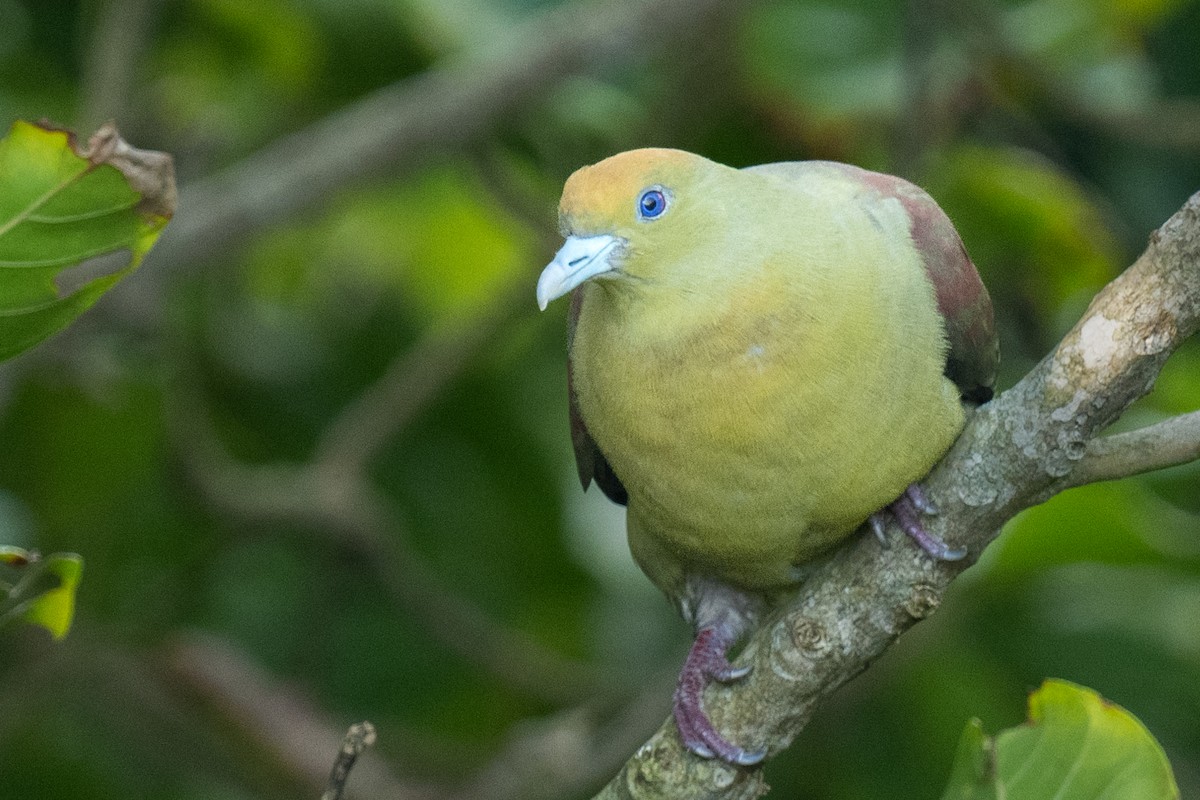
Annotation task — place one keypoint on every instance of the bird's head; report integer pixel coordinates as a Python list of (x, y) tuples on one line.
[(627, 217)]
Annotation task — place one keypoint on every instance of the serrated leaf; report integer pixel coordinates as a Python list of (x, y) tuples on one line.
[(55, 609), (60, 206), (1075, 746)]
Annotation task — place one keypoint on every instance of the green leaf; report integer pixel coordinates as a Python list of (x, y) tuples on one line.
[(55, 608), (974, 774), (1075, 746), (44, 593), (61, 206)]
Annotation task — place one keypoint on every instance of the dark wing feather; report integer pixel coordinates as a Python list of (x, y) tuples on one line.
[(590, 462), (962, 299)]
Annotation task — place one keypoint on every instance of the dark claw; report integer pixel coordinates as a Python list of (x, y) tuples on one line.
[(936, 548), (730, 673), (916, 493), (878, 526), (749, 759), (907, 510)]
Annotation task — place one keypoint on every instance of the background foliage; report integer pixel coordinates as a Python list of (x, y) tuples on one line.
[(247, 596)]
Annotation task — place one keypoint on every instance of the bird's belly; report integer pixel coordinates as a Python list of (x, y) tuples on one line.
[(742, 468)]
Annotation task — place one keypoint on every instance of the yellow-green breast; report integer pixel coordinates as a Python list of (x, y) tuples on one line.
[(761, 415)]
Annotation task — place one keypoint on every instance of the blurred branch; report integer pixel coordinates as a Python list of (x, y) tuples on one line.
[(398, 128), (345, 509), (571, 752), (1165, 123), (416, 377), (1165, 444), (279, 719), (117, 44), (923, 27), (1016, 451), (1171, 124), (358, 738), (411, 382)]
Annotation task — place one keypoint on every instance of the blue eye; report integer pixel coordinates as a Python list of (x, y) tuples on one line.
[(651, 204)]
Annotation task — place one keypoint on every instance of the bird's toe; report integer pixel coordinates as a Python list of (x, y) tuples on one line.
[(907, 510)]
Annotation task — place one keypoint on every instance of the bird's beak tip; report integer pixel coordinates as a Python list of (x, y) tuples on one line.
[(578, 260)]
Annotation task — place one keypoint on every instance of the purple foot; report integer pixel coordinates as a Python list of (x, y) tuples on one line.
[(707, 662), (907, 509)]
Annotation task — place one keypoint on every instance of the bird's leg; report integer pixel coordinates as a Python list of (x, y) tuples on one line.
[(721, 615), (907, 509)]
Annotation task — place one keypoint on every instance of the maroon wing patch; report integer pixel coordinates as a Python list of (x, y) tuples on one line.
[(962, 298), (590, 462)]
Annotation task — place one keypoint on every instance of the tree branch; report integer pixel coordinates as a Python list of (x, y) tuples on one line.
[(286, 726), (398, 128), (1165, 444), (1015, 452)]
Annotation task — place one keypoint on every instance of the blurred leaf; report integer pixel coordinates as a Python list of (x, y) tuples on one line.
[(54, 609), (1095, 48), (973, 776), (832, 70), (439, 241), (452, 27), (212, 73), (1142, 14), (1076, 31), (44, 593), (1104, 523), (60, 206), (283, 40), (1026, 222), (1075, 746)]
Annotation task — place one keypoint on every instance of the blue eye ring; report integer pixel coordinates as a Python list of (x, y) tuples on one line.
[(651, 204)]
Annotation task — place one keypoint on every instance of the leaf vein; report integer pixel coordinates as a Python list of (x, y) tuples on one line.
[(45, 198)]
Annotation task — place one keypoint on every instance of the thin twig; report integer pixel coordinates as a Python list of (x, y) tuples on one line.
[(288, 726), (359, 737), (571, 752), (536, 212)]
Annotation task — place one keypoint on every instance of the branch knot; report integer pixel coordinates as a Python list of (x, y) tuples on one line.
[(922, 601), (809, 636)]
